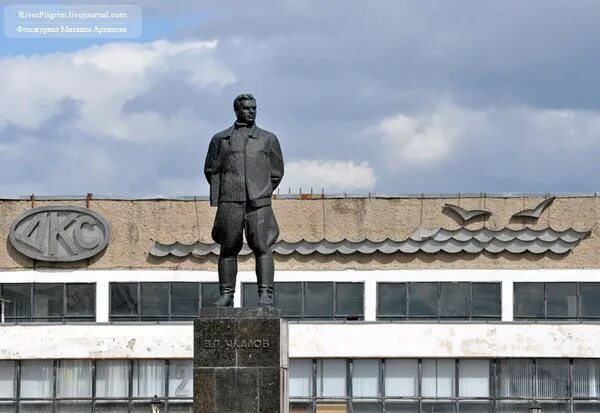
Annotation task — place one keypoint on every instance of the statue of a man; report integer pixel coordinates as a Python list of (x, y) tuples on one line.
[(243, 166)]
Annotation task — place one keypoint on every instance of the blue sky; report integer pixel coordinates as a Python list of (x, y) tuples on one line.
[(365, 96)]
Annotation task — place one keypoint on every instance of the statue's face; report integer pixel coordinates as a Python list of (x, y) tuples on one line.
[(246, 111)]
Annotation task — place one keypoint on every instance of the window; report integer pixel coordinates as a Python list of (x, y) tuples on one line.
[(556, 301), (88, 386), (318, 300), (396, 385), (438, 301), (49, 302), (160, 301)]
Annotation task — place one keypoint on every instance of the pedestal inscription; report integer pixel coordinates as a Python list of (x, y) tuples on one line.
[(238, 361)]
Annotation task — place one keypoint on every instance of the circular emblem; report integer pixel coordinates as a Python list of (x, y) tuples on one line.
[(59, 233)]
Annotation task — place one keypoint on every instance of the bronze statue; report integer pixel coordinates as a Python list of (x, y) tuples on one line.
[(243, 166)]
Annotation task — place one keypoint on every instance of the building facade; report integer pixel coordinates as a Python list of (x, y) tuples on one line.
[(395, 304)]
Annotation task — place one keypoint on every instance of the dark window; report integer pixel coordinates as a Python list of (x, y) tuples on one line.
[(391, 300), (454, 300), (81, 301), (422, 300), (19, 307), (590, 299), (288, 298), (184, 300), (349, 300), (49, 302), (124, 300), (320, 300), (529, 300), (210, 294), (485, 300), (433, 300), (155, 301), (160, 301), (560, 300)]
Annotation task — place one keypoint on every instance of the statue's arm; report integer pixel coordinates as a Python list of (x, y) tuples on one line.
[(210, 164), (276, 163)]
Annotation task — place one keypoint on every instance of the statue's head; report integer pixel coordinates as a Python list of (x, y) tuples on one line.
[(245, 108)]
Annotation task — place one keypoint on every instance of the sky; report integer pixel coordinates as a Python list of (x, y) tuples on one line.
[(380, 96)]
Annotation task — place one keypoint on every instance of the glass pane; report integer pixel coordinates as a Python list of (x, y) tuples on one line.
[(401, 378), (250, 295), (185, 298), (590, 299), (586, 407), (124, 299), (180, 408), (513, 407), (391, 299), (365, 378), (20, 301), (475, 407), (7, 379), (35, 407), (210, 294), (318, 299), (401, 407), (74, 378), (332, 408), (111, 407), (6, 407), (300, 380), (437, 407), (474, 378), (111, 378), (454, 300), (529, 300), (366, 407), (73, 407), (438, 378), (331, 378), (36, 378), (141, 407), (586, 378), (552, 378), (180, 378), (485, 300), (155, 300), (349, 299), (556, 408), (148, 378), (300, 407), (47, 301), (515, 378), (288, 298), (561, 300), (81, 300), (422, 299)]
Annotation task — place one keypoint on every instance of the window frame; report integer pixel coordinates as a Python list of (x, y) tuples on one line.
[(155, 318), (546, 318), (303, 316), (63, 317), (438, 317)]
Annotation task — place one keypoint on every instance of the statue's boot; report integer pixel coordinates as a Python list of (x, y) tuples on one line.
[(265, 274), (227, 276)]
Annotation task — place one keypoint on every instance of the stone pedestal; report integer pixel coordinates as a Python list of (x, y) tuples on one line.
[(239, 361)]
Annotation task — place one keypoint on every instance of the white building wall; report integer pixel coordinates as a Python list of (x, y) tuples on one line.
[(311, 340)]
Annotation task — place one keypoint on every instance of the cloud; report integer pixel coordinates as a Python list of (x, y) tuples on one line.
[(333, 176), (429, 137), (101, 80)]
